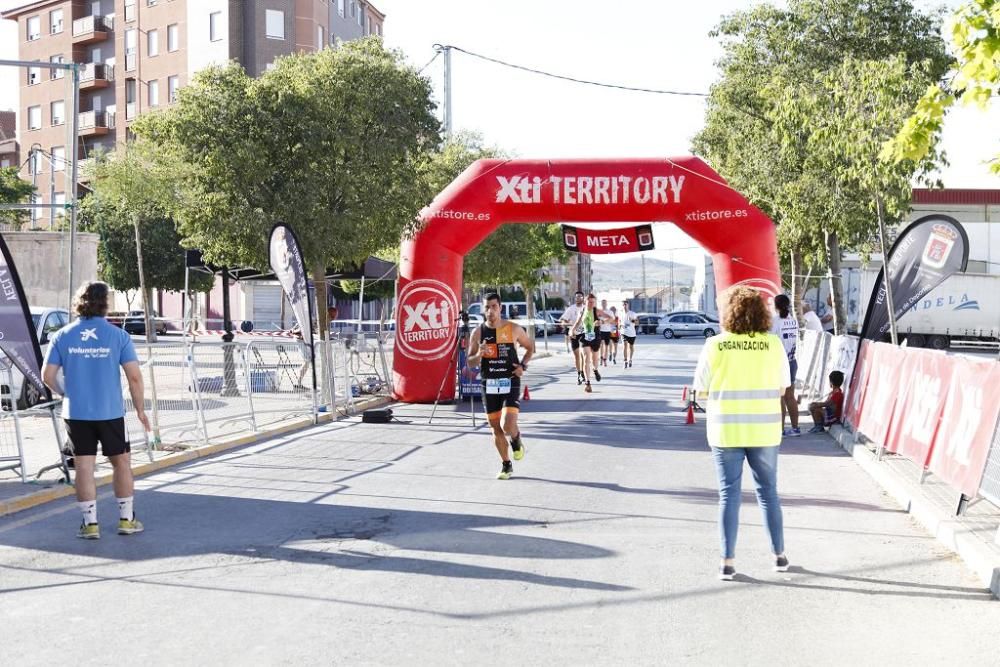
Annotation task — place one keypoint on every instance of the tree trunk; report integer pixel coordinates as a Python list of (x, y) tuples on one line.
[(323, 351), (836, 284), (798, 283)]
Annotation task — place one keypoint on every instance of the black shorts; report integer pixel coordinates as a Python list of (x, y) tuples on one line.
[(593, 345), (494, 403), (85, 434), (629, 339), (575, 340), (606, 336)]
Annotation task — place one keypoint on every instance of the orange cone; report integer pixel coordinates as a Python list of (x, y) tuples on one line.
[(684, 397), (690, 417), (527, 394)]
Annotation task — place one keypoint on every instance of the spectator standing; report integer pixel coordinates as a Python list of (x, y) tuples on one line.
[(810, 318), (786, 328)]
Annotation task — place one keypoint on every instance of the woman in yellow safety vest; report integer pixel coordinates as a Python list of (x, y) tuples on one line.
[(743, 373)]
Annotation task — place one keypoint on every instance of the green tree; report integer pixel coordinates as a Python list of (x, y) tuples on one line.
[(14, 190), (330, 143), (759, 135), (975, 38)]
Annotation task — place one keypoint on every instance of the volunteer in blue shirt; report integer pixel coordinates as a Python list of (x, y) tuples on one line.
[(90, 352)]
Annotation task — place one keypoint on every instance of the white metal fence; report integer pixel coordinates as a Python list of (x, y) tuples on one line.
[(199, 393)]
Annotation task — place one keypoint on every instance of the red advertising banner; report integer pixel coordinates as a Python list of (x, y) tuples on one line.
[(859, 385), (883, 388), (924, 387), (608, 241), (970, 414)]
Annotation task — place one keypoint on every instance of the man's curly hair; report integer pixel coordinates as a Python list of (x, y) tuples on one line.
[(91, 300)]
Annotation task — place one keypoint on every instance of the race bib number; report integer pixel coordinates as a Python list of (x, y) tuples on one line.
[(498, 385), (589, 336)]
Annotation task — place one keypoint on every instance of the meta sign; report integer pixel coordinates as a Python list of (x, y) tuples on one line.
[(608, 241)]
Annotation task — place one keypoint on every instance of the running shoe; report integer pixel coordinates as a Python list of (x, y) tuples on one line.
[(518, 447), (791, 432), (588, 388), (579, 377), (614, 360), (506, 471), (727, 572), (781, 564), (89, 531), (597, 375), (817, 429), (129, 526)]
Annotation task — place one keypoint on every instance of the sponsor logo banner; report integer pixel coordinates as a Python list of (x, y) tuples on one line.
[(924, 386), (858, 387), (17, 332), (883, 389), (967, 423), (290, 270), (608, 241), (429, 310), (590, 190), (925, 254)]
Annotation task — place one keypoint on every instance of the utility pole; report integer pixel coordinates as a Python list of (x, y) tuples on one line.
[(671, 280), (71, 194), (644, 295), (447, 92)]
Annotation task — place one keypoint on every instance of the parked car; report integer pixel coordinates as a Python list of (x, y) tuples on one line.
[(647, 324), (134, 322), (707, 316), (676, 325), (46, 322), (515, 311)]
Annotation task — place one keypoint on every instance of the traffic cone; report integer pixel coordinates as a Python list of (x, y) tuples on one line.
[(690, 417), (684, 397), (527, 394)]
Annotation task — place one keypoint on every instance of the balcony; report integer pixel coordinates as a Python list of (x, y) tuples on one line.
[(91, 29), (94, 76), (95, 123)]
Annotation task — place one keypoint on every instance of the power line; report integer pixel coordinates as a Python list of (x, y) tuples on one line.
[(573, 79), (429, 62)]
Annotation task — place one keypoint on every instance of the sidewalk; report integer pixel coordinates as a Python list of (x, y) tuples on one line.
[(974, 536)]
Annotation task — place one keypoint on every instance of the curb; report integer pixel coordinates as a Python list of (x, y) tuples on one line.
[(943, 526), (21, 503)]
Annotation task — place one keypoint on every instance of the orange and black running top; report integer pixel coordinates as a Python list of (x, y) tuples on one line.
[(499, 354)]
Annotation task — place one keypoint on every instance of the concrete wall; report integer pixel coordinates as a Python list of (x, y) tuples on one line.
[(42, 261)]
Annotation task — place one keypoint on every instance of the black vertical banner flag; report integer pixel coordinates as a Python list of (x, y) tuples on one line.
[(925, 254), (290, 270), (17, 331)]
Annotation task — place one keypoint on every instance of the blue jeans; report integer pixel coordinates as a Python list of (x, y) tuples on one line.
[(764, 466)]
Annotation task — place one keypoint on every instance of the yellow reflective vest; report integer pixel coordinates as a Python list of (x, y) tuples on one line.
[(740, 378)]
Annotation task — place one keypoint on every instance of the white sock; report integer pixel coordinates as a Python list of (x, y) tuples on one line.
[(89, 510), (125, 508)]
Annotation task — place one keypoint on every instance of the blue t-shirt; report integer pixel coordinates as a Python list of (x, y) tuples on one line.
[(91, 353)]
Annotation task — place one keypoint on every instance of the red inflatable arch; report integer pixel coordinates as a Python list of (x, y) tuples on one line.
[(684, 191)]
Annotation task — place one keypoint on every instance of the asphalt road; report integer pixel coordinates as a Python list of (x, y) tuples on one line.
[(393, 544)]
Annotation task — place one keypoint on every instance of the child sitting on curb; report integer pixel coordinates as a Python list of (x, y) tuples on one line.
[(828, 412)]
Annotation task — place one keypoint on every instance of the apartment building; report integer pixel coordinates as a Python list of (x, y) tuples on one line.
[(137, 54), (10, 155)]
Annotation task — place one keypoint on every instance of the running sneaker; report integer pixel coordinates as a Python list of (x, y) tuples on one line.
[(791, 432), (781, 564), (817, 429), (89, 531), (506, 471), (129, 526), (727, 572), (614, 360), (518, 447), (597, 375), (587, 388), (579, 377)]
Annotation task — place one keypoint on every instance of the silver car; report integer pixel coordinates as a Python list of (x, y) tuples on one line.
[(686, 324)]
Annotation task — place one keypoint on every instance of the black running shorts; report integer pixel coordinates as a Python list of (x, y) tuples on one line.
[(606, 336), (575, 340), (629, 339), (85, 434), (495, 403)]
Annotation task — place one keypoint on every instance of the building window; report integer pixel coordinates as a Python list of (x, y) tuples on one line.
[(378, 29), (354, 8), (58, 109), (60, 199), (173, 83), (56, 21), (34, 117), (130, 49), (129, 10), (58, 158), (153, 43), (151, 3), (4, 163), (173, 37), (55, 72), (215, 26), (361, 15), (34, 28), (34, 75), (274, 20), (154, 93), (340, 7), (320, 38), (129, 99)]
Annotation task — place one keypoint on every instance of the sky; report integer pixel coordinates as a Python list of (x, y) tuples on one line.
[(645, 43)]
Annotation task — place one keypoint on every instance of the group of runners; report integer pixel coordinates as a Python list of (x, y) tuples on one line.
[(595, 334)]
